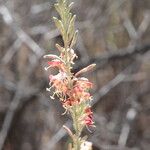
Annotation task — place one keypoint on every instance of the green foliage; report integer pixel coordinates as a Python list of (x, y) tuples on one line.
[(66, 23)]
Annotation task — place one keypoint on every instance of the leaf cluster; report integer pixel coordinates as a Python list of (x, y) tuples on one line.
[(66, 23)]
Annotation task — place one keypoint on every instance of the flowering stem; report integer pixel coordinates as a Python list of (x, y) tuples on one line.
[(77, 131), (73, 91)]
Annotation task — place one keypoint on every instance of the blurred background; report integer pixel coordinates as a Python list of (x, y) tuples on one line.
[(114, 34)]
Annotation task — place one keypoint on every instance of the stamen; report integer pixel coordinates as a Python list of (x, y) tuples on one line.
[(52, 97), (48, 89), (46, 68)]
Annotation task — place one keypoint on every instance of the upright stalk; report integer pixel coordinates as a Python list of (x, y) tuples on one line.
[(72, 90)]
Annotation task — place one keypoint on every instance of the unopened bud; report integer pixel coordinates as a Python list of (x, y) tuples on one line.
[(88, 68)]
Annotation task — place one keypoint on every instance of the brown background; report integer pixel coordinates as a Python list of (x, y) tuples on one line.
[(112, 33)]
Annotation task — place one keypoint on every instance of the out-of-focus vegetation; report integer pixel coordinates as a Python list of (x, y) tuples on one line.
[(112, 33)]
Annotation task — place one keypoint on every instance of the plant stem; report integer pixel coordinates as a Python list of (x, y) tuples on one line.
[(76, 128)]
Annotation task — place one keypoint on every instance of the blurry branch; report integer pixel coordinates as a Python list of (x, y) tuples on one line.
[(52, 34), (122, 76), (129, 26), (21, 92), (9, 117), (105, 89), (134, 47), (135, 77), (40, 29), (11, 51), (112, 7), (38, 8), (113, 83), (7, 84), (57, 137), (133, 33), (131, 114), (116, 55), (23, 36), (144, 24)]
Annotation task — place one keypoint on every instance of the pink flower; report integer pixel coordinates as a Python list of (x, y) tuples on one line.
[(89, 117), (68, 103), (57, 63), (84, 83), (80, 90), (59, 82), (89, 121)]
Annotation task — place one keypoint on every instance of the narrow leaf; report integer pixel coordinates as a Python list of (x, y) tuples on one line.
[(59, 25), (71, 27), (57, 7), (74, 39), (59, 47), (88, 68)]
